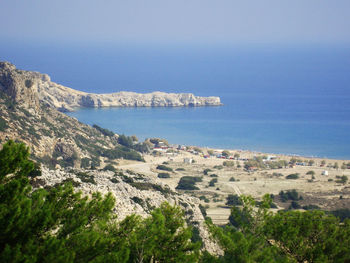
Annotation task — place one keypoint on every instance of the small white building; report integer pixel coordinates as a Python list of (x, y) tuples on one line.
[(188, 160), (325, 172)]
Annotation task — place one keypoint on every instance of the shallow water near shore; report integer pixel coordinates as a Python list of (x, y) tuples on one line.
[(292, 100)]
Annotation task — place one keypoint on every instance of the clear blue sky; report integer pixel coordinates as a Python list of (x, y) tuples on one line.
[(176, 21)]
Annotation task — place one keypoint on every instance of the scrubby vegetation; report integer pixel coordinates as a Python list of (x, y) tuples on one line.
[(188, 183), (163, 175), (58, 224), (164, 168), (290, 195), (292, 176), (104, 131)]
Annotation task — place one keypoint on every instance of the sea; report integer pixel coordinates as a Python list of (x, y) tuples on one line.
[(276, 99)]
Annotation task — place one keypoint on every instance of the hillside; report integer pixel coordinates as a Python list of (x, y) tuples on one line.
[(54, 138)]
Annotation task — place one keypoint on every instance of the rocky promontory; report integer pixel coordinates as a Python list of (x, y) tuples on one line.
[(66, 99)]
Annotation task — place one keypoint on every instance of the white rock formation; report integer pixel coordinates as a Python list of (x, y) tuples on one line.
[(66, 99)]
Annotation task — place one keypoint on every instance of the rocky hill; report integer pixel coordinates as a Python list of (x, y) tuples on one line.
[(66, 99), (65, 147), (134, 193), (54, 138)]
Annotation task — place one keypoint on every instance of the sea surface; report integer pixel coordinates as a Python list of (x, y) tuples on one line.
[(293, 100)]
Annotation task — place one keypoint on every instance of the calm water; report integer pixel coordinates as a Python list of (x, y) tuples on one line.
[(284, 100)]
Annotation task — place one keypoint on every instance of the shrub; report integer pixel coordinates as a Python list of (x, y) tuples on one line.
[(213, 182), (310, 172), (109, 167), (86, 178), (163, 175), (3, 124), (164, 168), (290, 195), (311, 207), (342, 214), (204, 198), (233, 200), (232, 179), (294, 205), (292, 176), (138, 200), (180, 169), (203, 210), (213, 175), (229, 163), (188, 183), (103, 131), (342, 179), (206, 171)]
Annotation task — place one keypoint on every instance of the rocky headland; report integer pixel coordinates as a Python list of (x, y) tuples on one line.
[(66, 99)]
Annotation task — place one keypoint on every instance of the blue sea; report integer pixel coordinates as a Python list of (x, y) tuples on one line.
[(293, 100)]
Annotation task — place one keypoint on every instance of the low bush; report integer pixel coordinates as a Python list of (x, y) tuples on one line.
[(188, 183), (290, 195), (163, 175), (233, 200), (213, 182), (292, 176), (164, 168)]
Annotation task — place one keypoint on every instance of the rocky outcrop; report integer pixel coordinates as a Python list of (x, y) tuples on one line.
[(20, 85), (133, 193), (66, 99)]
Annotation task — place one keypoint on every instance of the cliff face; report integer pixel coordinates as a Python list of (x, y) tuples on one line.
[(20, 85), (66, 99)]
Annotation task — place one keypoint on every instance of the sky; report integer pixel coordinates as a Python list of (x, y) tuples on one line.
[(177, 21)]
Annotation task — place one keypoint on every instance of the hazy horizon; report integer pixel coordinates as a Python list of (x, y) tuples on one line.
[(194, 22)]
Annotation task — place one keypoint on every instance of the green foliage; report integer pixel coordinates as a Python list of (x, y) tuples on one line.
[(225, 153), (163, 175), (310, 236), (121, 152), (233, 200), (261, 236), (104, 131), (206, 171), (109, 167), (14, 159), (180, 169), (204, 198), (290, 195), (213, 175), (294, 205), (57, 224), (342, 179), (292, 176), (162, 237), (213, 182), (164, 168), (311, 172), (203, 210), (229, 163), (3, 124), (232, 179), (311, 207), (188, 183), (126, 141), (342, 214), (86, 178)]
